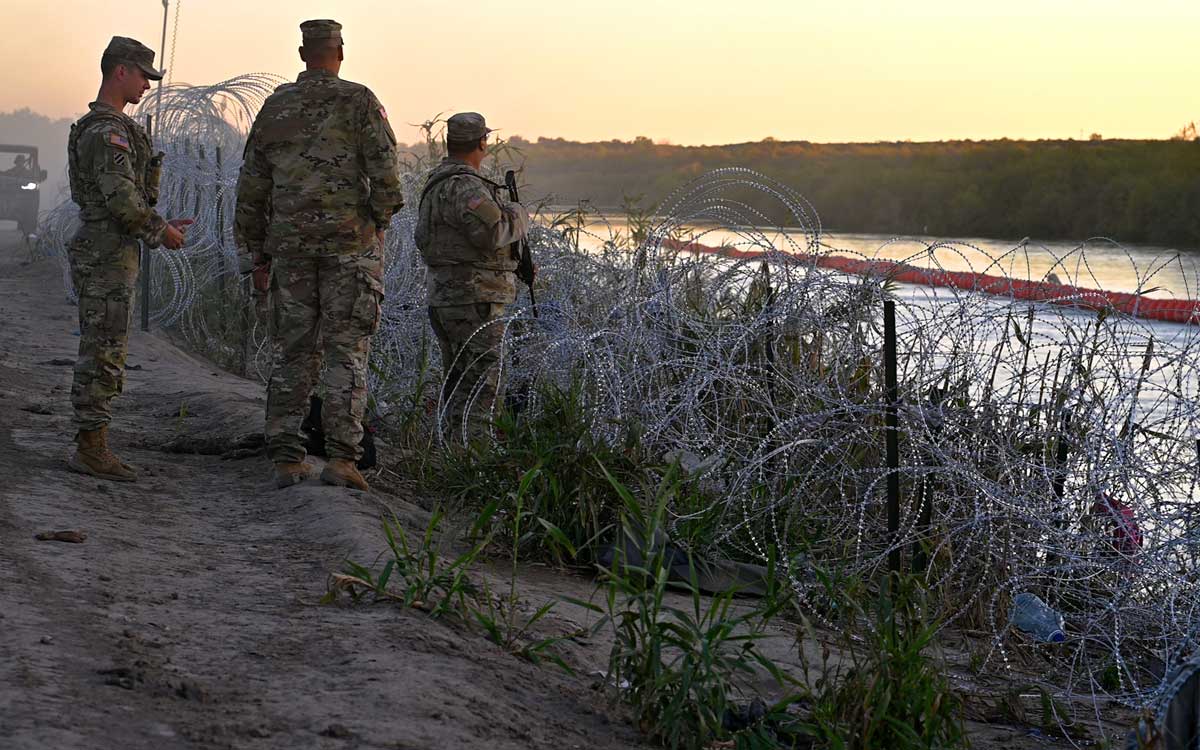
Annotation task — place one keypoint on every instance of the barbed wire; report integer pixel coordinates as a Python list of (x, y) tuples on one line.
[(1045, 449)]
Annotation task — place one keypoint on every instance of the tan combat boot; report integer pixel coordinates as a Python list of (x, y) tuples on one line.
[(341, 472), (288, 474), (94, 457)]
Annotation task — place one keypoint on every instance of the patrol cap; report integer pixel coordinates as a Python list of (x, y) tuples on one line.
[(126, 50), (466, 126), (321, 28)]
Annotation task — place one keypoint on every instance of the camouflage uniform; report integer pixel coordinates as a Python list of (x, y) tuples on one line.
[(466, 232), (320, 176), (114, 179)]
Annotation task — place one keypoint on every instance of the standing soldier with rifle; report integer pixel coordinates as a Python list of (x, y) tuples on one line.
[(320, 183), (114, 180), (470, 238)]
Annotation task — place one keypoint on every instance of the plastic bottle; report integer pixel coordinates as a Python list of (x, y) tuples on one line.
[(1035, 617)]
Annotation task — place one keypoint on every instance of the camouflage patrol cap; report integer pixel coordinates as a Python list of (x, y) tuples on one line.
[(466, 126), (321, 28), (131, 51)]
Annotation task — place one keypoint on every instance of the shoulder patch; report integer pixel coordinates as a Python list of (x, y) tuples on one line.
[(485, 210), (383, 113), (118, 140)]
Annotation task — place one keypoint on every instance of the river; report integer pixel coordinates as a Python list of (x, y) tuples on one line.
[(1095, 264), (940, 321)]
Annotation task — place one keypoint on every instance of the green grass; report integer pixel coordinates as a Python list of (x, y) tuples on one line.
[(683, 669), (417, 574), (885, 691), (502, 617), (567, 505)]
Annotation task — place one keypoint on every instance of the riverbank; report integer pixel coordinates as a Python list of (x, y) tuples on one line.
[(189, 616)]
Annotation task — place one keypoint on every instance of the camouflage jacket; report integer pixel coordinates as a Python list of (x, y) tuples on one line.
[(465, 232), (114, 174), (320, 173)]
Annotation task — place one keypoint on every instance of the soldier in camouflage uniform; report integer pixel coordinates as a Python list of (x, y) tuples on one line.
[(114, 179), (467, 233), (319, 184)]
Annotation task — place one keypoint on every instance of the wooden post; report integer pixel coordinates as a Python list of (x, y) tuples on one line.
[(893, 428)]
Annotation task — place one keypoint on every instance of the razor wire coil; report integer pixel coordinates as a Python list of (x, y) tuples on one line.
[(762, 377)]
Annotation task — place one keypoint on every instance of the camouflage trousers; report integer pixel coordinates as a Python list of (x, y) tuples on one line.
[(472, 387), (104, 271), (323, 313)]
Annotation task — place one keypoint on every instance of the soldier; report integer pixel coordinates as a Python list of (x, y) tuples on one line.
[(114, 179), (319, 184), (20, 166), (466, 233)]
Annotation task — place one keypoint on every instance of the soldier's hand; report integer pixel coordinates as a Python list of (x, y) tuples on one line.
[(173, 237), (379, 235)]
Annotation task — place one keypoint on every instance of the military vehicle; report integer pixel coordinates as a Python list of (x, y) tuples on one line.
[(19, 186)]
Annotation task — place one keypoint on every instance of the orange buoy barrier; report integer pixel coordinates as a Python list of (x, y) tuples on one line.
[(1150, 308)]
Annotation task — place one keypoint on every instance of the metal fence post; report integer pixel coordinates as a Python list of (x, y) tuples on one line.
[(893, 428), (146, 253)]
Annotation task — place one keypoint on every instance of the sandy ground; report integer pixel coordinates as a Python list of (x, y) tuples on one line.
[(189, 616)]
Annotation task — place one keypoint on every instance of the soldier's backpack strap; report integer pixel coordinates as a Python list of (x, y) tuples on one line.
[(447, 175)]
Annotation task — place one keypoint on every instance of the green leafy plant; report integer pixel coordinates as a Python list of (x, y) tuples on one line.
[(885, 691), (501, 617), (567, 505), (680, 668), (417, 575)]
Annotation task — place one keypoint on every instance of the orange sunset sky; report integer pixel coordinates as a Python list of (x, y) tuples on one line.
[(686, 71)]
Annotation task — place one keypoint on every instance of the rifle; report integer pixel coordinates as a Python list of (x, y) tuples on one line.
[(520, 248)]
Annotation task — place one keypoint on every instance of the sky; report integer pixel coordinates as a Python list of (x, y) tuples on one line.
[(681, 71)]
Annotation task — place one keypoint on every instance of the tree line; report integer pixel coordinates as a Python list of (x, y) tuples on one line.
[(1131, 191)]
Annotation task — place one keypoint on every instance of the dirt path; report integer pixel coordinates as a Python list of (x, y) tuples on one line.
[(188, 617)]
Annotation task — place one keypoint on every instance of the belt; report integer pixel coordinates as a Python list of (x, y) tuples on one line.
[(105, 225)]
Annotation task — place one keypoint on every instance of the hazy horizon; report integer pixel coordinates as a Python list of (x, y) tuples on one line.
[(695, 73)]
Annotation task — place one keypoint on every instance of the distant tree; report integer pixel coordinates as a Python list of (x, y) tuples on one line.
[(1095, 137), (1187, 133), (1134, 191)]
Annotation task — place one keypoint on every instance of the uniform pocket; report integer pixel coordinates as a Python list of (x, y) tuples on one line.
[(368, 303), (117, 313)]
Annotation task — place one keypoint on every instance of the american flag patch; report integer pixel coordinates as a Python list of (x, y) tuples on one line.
[(474, 202), (383, 113), (118, 141)]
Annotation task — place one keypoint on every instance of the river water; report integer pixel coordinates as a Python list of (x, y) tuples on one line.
[(1095, 264), (937, 319)]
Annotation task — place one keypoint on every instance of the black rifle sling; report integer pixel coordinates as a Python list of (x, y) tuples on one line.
[(442, 178)]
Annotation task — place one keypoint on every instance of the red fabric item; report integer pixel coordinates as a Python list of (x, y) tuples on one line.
[(1127, 537), (1168, 310), (262, 277)]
